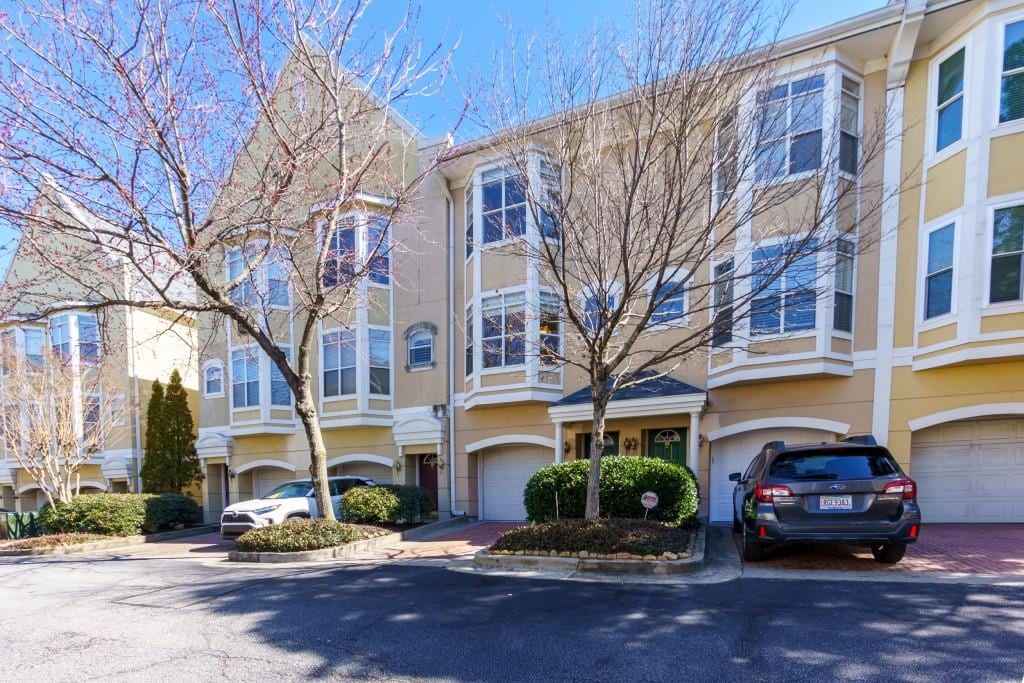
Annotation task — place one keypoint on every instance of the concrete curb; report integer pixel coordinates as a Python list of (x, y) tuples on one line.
[(345, 551), (120, 542), (598, 565)]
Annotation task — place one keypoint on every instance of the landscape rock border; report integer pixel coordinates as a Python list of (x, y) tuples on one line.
[(349, 549), (112, 543), (619, 563)]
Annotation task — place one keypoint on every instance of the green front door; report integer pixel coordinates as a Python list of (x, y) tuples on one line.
[(669, 444)]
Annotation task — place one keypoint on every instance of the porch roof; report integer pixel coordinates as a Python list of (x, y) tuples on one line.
[(656, 396), (658, 387)]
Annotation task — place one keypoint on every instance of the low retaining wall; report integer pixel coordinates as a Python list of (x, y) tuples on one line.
[(350, 549), (114, 542), (597, 564)]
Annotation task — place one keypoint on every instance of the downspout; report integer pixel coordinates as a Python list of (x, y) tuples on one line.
[(450, 210)]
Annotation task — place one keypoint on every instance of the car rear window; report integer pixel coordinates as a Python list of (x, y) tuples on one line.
[(832, 466)]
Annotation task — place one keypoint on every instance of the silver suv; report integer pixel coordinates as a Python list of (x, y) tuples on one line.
[(851, 492)]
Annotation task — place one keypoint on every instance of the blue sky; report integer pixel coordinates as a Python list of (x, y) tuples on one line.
[(479, 26)]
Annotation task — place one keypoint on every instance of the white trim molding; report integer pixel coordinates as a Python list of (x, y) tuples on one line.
[(965, 413), (280, 464), (637, 407), (361, 457), (508, 439), (780, 423)]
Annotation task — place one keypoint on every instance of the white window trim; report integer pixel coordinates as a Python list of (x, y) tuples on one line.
[(324, 398), (479, 340), (837, 79), (925, 324), (391, 362), (831, 312), (932, 156), (999, 45), (423, 365), (818, 329), (214, 363), (1000, 307), (829, 128), (678, 275), (532, 230)]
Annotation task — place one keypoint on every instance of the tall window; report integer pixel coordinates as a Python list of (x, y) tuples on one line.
[(91, 416), (550, 328), (8, 352), (378, 250), (60, 337), (504, 330), (280, 392), (849, 125), (784, 285), (721, 332), (1011, 92), (1007, 280), (277, 280), (213, 380), (245, 378), (380, 362), (469, 218), (670, 302), (88, 339), (726, 152), (551, 187), (244, 293), (34, 347), (421, 349), (950, 101), (789, 123), (842, 311), (341, 253), (469, 341), (339, 351), (504, 205), (938, 283)]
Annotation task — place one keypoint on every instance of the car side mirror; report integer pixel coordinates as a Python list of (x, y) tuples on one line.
[(735, 476)]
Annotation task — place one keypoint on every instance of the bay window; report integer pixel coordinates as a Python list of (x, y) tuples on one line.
[(789, 128), (339, 354), (721, 332), (245, 378), (1011, 87), (380, 362), (280, 392), (849, 125), (950, 101), (34, 347), (60, 337), (88, 338), (938, 278), (341, 253), (784, 286), (842, 307), (504, 205), (470, 211), (378, 250), (550, 328), (266, 284), (503, 332), (1007, 270), (244, 293), (469, 341), (551, 198)]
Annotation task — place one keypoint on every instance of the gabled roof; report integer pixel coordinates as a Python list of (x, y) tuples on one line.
[(656, 387)]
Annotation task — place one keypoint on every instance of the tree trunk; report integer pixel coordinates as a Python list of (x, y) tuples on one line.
[(600, 401), (306, 410)]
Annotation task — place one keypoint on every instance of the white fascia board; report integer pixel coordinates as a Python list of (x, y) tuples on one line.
[(637, 407)]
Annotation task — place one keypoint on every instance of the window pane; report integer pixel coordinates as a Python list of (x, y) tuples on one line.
[(949, 125), (1011, 98), (805, 152), (515, 190), (771, 160), (847, 153), (380, 381), (252, 393), (1008, 230), (491, 323), (331, 352), (331, 382), (492, 196), (515, 222), (347, 356), (844, 273), (722, 332), (1006, 284), (515, 350), (939, 294), (493, 228), (800, 311), (806, 112), (348, 381), (771, 121), (380, 348), (849, 113), (951, 77), (843, 313), (764, 315), (940, 249), (807, 84), (1013, 49), (492, 352)]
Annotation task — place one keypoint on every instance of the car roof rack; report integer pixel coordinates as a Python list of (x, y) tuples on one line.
[(862, 439), (776, 447)]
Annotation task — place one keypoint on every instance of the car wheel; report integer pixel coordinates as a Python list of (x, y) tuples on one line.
[(752, 550), (889, 553)]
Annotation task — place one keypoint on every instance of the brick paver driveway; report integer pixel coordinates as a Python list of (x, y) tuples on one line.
[(992, 549), (462, 542)]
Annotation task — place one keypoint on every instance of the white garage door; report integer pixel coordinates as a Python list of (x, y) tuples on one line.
[(970, 471), (504, 473), (266, 479), (734, 453)]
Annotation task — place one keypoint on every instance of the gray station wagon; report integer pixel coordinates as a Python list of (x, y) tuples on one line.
[(851, 492)]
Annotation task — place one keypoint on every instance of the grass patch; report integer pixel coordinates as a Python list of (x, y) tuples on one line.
[(297, 535), (52, 541), (602, 537)]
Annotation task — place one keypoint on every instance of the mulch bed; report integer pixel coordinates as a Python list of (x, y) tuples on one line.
[(624, 539), (52, 541)]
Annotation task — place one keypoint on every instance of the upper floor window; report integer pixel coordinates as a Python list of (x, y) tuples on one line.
[(670, 302), (550, 328), (421, 349), (470, 211), (503, 332), (244, 293), (34, 347), (213, 380), (849, 125), (378, 251), (789, 125), (469, 341), (88, 338), (355, 235), (1011, 92), (266, 284), (504, 205), (938, 282), (1007, 279), (551, 189), (842, 308), (341, 253), (784, 286), (245, 378), (339, 354), (721, 331), (8, 350), (280, 392), (726, 152), (380, 362), (92, 435), (598, 305), (60, 337), (949, 101)]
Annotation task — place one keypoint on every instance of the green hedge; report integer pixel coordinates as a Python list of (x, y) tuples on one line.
[(624, 479), (120, 514), (296, 535), (385, 504), (633, 536)]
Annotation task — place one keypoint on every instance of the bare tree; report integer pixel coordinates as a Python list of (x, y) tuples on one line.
[(59, 411), (676, 179), (190, 135)]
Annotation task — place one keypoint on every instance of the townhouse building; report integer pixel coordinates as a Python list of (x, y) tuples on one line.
[(917, 340), (110, 355)]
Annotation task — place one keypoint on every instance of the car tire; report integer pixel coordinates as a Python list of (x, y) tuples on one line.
[(889, 553), (752, 551)]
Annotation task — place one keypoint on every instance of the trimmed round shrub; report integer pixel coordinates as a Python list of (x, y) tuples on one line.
[(624, 479), (369, 505), (119, 514), (296, 535)]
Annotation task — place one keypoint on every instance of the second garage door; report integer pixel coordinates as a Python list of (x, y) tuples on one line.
[(504, 471), (970, 471)]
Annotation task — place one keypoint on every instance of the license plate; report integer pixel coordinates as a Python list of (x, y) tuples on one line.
[(836, 503)]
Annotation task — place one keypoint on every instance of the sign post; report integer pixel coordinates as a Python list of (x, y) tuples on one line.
[(649, 500)]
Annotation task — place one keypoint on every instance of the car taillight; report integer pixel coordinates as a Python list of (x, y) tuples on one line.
[(905, 487), (766, 493)]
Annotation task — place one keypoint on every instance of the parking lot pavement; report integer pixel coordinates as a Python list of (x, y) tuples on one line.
[(995, 550)]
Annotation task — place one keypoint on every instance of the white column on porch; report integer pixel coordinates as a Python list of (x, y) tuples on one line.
[(559, 441), (693, 449)]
